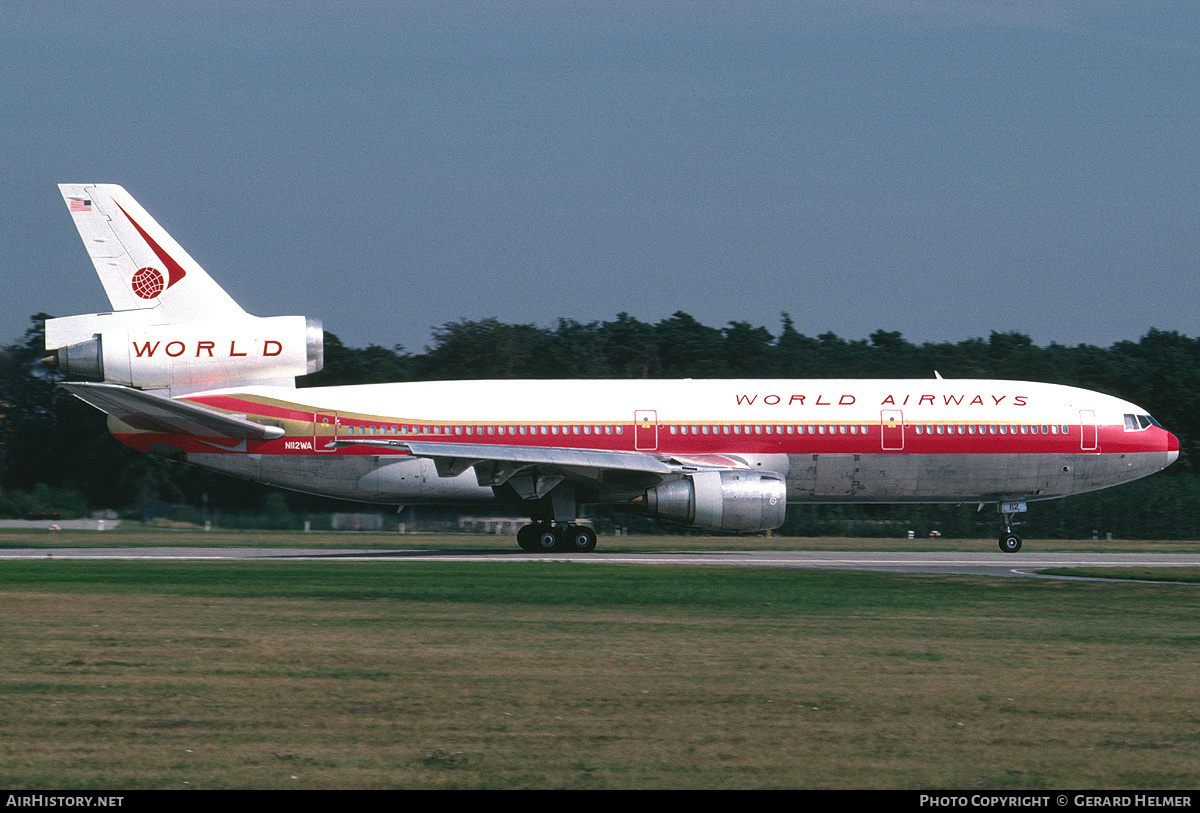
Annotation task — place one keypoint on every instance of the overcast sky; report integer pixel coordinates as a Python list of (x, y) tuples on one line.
[(944, 169)]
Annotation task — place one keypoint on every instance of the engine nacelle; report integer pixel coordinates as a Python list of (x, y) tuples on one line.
[(188, 356), (722, 501)]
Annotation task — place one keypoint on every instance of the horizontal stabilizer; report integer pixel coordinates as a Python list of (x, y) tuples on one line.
[(156, 413)]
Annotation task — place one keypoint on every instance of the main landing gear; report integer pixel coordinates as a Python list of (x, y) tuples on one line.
[(556, 536)]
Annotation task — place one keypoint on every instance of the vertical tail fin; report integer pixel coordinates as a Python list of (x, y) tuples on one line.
[(139, 264), (172, 328)]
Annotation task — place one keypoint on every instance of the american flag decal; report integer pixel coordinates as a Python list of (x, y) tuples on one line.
[(80, 205)]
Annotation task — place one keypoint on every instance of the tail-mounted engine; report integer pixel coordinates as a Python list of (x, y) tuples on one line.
[(119, 348), (721, 501)]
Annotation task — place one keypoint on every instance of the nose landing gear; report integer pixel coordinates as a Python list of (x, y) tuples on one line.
[(1009, 541)]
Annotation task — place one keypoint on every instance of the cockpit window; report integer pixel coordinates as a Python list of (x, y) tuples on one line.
[(1136, 423)]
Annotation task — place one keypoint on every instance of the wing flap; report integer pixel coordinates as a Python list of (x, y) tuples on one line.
[(542, 456), (709, 461), (531, 470), (156, 413), (473, 453)]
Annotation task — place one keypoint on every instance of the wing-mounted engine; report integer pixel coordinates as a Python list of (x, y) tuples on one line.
[(122, 348), (721, 500)]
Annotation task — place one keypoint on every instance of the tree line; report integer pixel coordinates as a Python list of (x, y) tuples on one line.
[(57, 456)]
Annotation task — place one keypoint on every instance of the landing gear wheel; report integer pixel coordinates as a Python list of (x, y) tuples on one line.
[(542, 537), (527, 538), (581, 539), (1010, 543), (548, 539)]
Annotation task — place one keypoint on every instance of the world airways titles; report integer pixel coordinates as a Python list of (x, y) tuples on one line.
[(890, 399), (206, 349)]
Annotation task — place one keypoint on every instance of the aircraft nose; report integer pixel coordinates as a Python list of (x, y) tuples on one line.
[(1172, 448)]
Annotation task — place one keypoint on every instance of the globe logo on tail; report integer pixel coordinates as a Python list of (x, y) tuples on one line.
[(148, 282)]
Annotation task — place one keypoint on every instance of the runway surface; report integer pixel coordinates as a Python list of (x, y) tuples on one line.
[(971, 563)]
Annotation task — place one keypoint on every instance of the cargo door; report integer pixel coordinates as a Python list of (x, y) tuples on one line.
[(836, 475)]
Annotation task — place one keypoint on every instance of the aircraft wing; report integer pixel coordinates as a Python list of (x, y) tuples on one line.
[(533, 471), (157, 413)]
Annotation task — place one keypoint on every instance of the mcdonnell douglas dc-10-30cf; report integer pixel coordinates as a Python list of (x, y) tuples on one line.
[(183, 371)]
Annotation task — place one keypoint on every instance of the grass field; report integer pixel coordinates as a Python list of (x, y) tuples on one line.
[(562, 675)]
